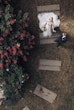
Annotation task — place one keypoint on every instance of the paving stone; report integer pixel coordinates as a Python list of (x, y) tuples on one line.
[(2, 94), (47, 41), (54, 35), (49, 68), (45, 93), (26, 108), (49, 8), (47, 62)]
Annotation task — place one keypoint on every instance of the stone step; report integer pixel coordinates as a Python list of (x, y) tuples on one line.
[(45, 93), (54, 35), (47, 41), (26, 108), (49, 68), (49, 8), (47, 62)]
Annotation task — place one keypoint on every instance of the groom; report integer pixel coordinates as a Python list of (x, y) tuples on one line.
[(61, 39)]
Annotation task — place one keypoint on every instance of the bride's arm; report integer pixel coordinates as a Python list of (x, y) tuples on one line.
[(52, 26), (43, 27)]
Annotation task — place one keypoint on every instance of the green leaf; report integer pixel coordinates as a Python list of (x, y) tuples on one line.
[(9, 8), (25, 15), (7, 16)]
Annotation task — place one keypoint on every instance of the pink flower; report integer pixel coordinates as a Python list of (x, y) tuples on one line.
[(9, 49), (1, 54), (1, 51), (12, 21), (20, 20), (6, 54), (19, 28), (28, 19), (6, 2), (26, 25), (31, 46), (15, 61), (11, 29), (14, 50), (1, 65), (20, 52), (24, 31), (18, 45), (20, 12), (16, 36), (4, 35), (6, 65), (27, 53), (25, 58), (25, 47), (22, 36), (7, 32), (6, 61), (29, 42), (33, 37), (1, 39)]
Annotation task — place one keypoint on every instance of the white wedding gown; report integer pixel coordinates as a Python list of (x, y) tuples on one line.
[(43, 17)]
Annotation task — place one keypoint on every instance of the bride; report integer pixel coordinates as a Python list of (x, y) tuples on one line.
[(47, 23)]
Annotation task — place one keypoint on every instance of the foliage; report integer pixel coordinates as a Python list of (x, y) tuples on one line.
[(15, 42)]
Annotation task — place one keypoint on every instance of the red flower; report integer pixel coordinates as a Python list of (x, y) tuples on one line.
[(31, 46), (24, 31), (1, 51), (4, 35), (19, 28), (33, 37), (22, 36), (6, 31), (29, 42), (28, 19), (9, 49), (15, 61), (27, 53), (14, 50), (20, 12), (25, 58), (26, 25), (6, 61), (20, 52), (6, 2), (25, 47), (12, 21), (11, 29), (1, 65), (1, 39), (16, 36), (1, 54), (6, 54), (6, 65), (20, 20)]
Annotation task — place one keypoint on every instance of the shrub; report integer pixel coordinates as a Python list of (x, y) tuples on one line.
[(15, 42)]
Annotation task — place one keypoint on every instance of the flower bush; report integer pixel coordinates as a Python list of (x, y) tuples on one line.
[(15, 42)]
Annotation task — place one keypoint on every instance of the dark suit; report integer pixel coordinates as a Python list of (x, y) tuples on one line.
[(60, 40)]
